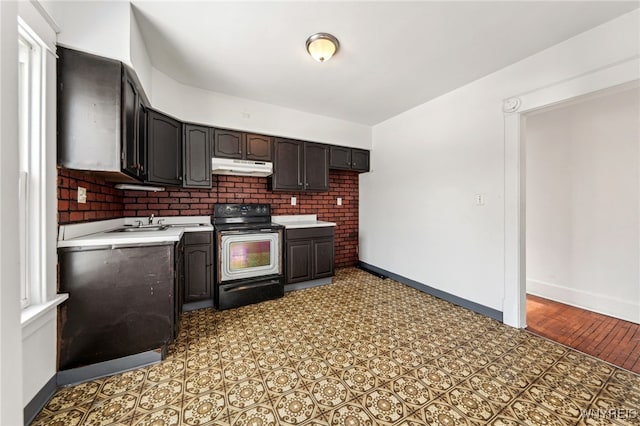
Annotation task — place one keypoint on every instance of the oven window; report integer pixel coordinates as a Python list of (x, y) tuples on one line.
[(249, 254)]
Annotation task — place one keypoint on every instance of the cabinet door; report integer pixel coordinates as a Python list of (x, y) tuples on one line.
[(130, 115), (298, 261), (142, 141), (287, 165), (316, 167), (164, 145), (259, 147), (340, 158), (323, 258), (228, 144), (197, 265), (197, 157), (360, 160)]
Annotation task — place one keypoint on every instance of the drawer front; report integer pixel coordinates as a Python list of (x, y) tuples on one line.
[(302, 233), (191, 238)]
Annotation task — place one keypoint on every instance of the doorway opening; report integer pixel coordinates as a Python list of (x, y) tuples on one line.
[(582, 208)]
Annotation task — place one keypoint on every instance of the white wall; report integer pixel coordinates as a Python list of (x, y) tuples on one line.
[(417, 212), (98, 27), (583, 198), (10, 333), (139, 58), (216, 109)]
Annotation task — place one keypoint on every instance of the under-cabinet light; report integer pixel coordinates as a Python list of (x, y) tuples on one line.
[(139, 187)]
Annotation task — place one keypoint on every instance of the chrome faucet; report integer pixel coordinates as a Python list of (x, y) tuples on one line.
[(151, 219)]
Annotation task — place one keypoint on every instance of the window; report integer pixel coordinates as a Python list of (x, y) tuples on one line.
[(31, 165)]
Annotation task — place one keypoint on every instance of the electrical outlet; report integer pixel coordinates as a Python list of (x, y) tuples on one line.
[(339, 201), (294, 201), (479, 199), (82, 195)]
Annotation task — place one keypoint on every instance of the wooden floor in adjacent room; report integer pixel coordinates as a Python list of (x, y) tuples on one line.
[(607, 338)]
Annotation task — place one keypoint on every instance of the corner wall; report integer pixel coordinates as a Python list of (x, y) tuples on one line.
[(429, 163)]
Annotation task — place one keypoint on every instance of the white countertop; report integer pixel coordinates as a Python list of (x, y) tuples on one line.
[(300, 221), (98, 233)]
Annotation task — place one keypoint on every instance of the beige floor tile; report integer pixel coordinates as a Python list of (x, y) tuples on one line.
[(117, 409), (166, 416), (209, 407)]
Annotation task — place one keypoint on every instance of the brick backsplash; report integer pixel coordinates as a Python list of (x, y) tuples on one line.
[(106, 202), (103, 200)]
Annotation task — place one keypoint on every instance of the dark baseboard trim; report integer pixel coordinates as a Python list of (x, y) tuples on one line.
[(475, 307), (108, 368), (308, 284), (201, 304), (38, 402)]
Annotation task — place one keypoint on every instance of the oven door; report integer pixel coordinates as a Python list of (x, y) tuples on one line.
[(243, 255)]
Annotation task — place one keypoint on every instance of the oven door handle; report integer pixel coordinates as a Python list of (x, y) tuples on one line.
[(240, 287)]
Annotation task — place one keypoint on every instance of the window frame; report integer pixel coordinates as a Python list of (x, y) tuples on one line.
[(32, 184)]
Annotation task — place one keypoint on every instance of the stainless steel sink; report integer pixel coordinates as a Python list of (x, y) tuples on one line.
[(146, 228)]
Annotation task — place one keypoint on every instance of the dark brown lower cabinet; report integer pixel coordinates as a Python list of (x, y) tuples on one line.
[(179, 281), (198, 266), (122, 301), (309, 254), (298, 260), (323, 257)]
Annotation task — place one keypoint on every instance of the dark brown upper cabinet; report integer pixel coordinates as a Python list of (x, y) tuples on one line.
[(99, 102), (228, 144), (300, 166), (196, 157), (316, 167), (345, 158), (242, 146), (288, 165), (133, 152), (164, 147), (259, 147), (360, 160)]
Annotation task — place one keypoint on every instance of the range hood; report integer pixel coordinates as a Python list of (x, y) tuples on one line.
[(228, 166)]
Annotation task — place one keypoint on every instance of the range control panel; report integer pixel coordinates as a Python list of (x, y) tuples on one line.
[(241, 210)]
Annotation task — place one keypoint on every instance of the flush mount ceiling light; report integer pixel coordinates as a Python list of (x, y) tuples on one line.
[(322, 46)]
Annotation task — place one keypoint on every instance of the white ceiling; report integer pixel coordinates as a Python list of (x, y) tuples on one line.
[(393, 55)]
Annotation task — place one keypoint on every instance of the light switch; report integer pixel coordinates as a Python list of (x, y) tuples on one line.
[(479, 198), (294, 201), (339, 201), (82, 195)]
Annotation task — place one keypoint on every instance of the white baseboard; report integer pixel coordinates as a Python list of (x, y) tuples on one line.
[(606, 304)]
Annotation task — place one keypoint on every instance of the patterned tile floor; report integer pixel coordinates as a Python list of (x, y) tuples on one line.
[(362, 351)]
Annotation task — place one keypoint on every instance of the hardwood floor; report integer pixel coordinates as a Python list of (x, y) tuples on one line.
[(610, 339)]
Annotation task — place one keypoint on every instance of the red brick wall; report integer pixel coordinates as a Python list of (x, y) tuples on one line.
[(103, 200), (226, 189)]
